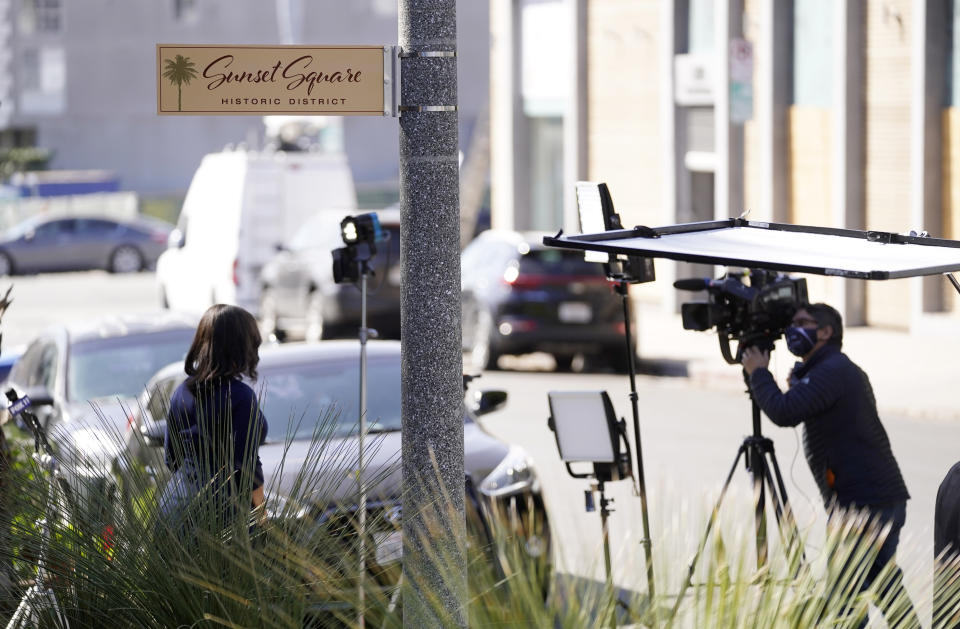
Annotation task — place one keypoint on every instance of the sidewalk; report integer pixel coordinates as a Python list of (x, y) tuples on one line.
[(913, 375)]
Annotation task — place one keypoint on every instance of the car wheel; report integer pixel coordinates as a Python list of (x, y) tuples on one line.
[(314, 318), (6, 264), (482, 354), (268, 315), (126, 259), (564, 361)]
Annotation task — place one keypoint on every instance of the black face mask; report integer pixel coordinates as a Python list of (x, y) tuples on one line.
[(799, 340)]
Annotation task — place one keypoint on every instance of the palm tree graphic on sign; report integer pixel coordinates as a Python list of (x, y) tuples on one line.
[(179, 71)]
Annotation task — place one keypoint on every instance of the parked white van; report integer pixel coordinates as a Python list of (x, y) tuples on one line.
[(241, 205)]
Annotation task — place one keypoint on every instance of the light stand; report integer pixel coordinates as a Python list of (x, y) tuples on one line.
[(364, 333), (596, 213), (351, 264), (588, 431), (621, 285)]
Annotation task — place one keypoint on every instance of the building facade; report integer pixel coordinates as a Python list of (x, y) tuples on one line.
[(83, 80), (847, 118)]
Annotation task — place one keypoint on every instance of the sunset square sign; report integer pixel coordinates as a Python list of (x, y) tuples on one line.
[(265, 80)]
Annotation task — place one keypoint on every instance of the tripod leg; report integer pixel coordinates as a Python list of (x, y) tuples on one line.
[(774, 495), (785, 501), (757, 467), (703, 541)]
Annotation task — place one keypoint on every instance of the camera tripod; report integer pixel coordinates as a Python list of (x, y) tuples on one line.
[(761, 462)]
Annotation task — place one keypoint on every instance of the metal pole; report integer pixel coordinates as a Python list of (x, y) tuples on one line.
[(647, 543), (604, 514), (434, 529), (361, 480), (755, 463)]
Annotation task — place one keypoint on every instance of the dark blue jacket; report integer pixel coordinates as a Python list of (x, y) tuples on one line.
[(845, 444), (222, 421)]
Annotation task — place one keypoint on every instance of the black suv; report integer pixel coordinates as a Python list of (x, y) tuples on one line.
[(520, 296)]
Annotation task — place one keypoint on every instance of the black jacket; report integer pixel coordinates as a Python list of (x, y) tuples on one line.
[(225, 421), (946, 517), (845, 444)]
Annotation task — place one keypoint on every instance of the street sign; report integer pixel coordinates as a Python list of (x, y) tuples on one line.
[(266, 80), (694, 80)]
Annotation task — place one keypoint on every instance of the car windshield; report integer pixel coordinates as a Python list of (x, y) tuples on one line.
[(121, 366), (558, 262), (294, 398)]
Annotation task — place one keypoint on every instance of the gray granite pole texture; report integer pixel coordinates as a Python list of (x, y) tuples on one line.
[(434, 565)]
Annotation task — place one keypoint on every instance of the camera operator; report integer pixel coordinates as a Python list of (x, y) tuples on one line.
[(845, 444)]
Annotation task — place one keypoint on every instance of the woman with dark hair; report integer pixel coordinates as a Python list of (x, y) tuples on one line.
[(214, 425)]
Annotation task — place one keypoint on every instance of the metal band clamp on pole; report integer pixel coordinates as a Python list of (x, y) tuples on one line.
[(428, 108), (426, 54)]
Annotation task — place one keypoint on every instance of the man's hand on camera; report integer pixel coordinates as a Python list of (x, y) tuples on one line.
[(753, 358)]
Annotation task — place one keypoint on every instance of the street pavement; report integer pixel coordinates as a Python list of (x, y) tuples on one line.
[(40, 301), (693, 414)]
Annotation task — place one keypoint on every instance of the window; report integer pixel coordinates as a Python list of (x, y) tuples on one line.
[(16, 137), (24, 367), (558, 262), (700, 32), (298, 397), (55, 228), (43, 79), (94, 226), (385, 8), (185, 10), (121, 366), (47, 371), (159, 403), (41, 16), (812, 52), (952, 93)]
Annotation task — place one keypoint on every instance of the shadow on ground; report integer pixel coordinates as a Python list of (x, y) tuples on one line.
[(577, 591), (540, 362)]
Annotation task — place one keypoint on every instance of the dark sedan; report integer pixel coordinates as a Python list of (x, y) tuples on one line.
[(520, 297), (73, 243), (299, 385), (299, 298)]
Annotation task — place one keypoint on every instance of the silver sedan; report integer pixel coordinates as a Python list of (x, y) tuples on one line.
[(73, 243)]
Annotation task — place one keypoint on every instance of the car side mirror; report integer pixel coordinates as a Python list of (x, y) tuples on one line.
[(176, 239), (30, 235), (154, 432), (39, 396), (488, 401)]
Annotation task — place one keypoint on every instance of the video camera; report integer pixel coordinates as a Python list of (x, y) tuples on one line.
[(756, 314)]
